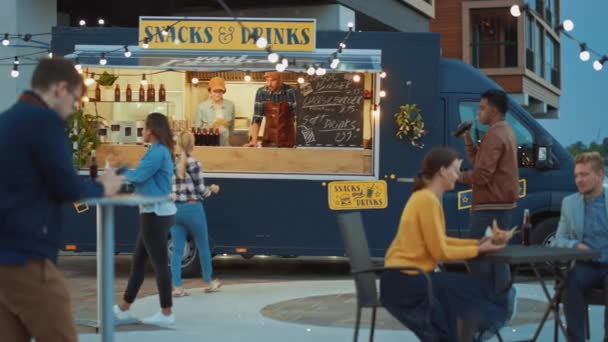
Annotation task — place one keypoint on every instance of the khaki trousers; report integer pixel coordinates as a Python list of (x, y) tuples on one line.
[(35, 303)]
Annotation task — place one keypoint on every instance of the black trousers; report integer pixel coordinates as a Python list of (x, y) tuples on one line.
[(151, 244)]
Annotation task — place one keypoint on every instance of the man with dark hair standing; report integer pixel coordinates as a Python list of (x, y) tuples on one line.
[(36, 177), (494, 180)]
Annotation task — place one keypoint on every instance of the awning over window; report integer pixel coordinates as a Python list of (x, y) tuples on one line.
[(351, 60)]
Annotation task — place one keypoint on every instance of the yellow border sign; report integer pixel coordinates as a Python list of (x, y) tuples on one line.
[(465, 199), (226, 34), (357, 195)]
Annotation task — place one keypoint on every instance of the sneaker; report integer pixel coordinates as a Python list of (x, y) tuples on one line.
[(120, 315), (214, 286), (159, 319), (512, 304)]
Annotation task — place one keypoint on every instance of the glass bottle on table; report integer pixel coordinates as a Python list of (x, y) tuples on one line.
[(526, 228), (93, 168)]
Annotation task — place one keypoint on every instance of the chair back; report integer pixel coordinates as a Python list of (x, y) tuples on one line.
[(357, 251)]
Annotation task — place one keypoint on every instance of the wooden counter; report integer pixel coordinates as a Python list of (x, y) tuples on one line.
[(265, 160)]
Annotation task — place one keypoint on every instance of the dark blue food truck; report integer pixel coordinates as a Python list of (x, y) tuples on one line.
[(348, 156)]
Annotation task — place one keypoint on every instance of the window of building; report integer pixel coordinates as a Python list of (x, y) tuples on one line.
[(530, 42), (538, 50), (550, 13), (525, 140), (493, 38), (551, 64)]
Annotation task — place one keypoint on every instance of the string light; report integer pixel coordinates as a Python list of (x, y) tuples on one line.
[(342, 45), (27, 37), (85, 99), (194, 80), (82, 22), (516, 10), (357, 78), (90, 80), (101, 22), (321, 71), (15, 71), (103, 60), (584, 55), (273, 57), (300, 80), (165, 31), (285, 62), (16, 61), (334, 63), (127, 52), (6, 41), (599, 64), (77, 65), (383, 74), (50, 53), (351, 25), (143, 82), (280, 67), (382, 93), (567, 26), (247, 77), (310, 71), (146, 44), (261, 42)]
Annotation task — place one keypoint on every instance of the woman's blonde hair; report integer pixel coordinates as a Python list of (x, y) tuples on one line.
[(185, 141)]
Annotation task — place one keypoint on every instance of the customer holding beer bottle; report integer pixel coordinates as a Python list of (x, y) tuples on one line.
[(153, 178), (189, 191)]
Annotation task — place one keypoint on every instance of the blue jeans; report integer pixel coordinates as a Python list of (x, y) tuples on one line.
[(190, 218), (584, 277)]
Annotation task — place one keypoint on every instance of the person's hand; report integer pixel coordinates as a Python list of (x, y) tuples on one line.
[(484, 239), (220, 123), (487, 247), (111, 182), (583, 247), (214, 188)]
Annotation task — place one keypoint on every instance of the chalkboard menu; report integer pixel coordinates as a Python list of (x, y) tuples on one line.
[(330, 111)]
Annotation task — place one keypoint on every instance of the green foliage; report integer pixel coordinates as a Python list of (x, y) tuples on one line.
[(82, 130), (601, 148), (410, 124), (107, 79)]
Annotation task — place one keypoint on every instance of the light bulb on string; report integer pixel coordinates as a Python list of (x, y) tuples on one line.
[(273, 57), (382, 93), (357, 78), (567, 25), (195, 80), (280, 67), (342, 45), (77, 65), (165, 31), (334, 63), (310, 71), (350, 25), (143, 82), (598, 65), (285, 62), (127, 52), (321, 71), (103, 60), (261, 42), (383, 74), (16, 61), (50, 53), (82, 22), (15, 71), (516, 10), (300, 80), (146, 44), (6, 41), (584, 55), (85, 99), (90, 80), (101, 22), (247, 77)]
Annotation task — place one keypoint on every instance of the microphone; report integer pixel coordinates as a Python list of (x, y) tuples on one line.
[(463, 127)]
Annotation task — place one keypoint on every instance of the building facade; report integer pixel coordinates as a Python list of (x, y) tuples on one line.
[(522, 54)]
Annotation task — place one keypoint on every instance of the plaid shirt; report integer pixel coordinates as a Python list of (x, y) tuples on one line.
[(286, 93), (192, 186)]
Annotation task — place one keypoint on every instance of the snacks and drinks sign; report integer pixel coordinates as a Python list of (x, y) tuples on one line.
[(193, 33), (357, 195), (465, 197)]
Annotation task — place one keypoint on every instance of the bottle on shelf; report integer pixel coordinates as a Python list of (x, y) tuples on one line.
[(526, 228), (97, 93), (93, 167), (142, 93), (216, 136), (150, 94), (129, 93), (162, 93), (198, 137), (205, 137), (117, 93)]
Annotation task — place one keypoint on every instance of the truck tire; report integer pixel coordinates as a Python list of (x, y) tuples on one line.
[(191, 265), (544, 232)]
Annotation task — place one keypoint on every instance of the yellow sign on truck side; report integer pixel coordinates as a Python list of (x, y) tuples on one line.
[(226, 34), (357, 195)]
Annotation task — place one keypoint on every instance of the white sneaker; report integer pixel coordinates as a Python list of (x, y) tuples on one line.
[(120, 315), (214, 286), (160, 320)]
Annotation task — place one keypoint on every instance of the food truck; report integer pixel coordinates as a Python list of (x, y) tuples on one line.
[(352, 151)]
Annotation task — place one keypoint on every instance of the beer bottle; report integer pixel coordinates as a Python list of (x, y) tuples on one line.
[(117, 93), (129, 93), (97, 93), (150, 93), (142, 93), (93, 167), (205, 137), (526, 228), (162, 93)]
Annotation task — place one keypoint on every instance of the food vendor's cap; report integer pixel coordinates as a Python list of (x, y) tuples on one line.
[(217, 83), (275, 75)]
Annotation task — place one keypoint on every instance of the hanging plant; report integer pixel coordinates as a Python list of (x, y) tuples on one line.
[(410, 124), (106, 79), (82, 130)]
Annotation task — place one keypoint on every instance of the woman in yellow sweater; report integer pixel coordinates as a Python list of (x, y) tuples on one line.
[(464, 306)]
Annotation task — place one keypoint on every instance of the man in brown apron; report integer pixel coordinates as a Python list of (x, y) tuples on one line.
[(276, 102)]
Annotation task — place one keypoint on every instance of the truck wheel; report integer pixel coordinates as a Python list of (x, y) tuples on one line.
[(544, 232), (191, 265)]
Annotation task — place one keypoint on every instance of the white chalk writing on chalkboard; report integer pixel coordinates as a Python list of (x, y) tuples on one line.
[(330, 111)]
